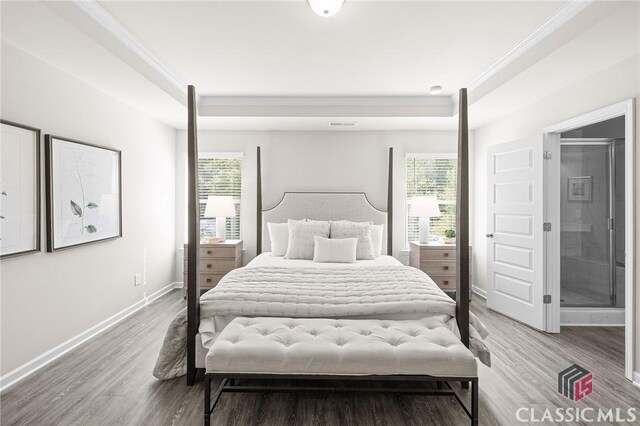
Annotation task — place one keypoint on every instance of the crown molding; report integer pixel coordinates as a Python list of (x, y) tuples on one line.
[(113, 36), (563, 15)]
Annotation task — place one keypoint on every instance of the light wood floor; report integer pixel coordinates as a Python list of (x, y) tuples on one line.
[(108, 381)]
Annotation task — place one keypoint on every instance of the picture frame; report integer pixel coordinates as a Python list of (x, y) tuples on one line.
[(83, 193), (579, 188), (20, 186)]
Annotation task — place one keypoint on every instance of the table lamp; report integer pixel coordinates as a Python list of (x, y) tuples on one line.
[(221, 207), (424, 207)]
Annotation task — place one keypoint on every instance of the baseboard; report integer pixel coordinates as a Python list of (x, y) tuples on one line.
[(636, 378), (37, 363), (179, 284), (592, 317), (479, 291)]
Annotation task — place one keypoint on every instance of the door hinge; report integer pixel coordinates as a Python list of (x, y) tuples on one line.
[(546, 227), (546, 299), (546, 154)]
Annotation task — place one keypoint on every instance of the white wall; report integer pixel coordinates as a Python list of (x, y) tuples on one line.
[(313, 161), (621, 81), (48, 298)]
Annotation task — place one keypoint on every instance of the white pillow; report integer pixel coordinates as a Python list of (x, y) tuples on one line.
[(359, 230), (340, 250), (301, 235), (279, 236), (376, 237)]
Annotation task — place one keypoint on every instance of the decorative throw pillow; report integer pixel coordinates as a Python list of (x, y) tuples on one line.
[(359, 230), (340, 250), (279, 236), (301, 235), (376, 237)]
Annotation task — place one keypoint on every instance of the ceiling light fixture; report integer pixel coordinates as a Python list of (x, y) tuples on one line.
[(436, 90), (326, 8)]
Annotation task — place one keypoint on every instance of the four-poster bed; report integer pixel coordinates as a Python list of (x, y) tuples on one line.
[(262, 288)]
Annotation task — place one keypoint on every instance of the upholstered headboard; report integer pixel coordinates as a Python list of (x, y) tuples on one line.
[(352, 206)]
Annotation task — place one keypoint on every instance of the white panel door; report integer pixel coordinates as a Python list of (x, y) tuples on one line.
[(515, 230)]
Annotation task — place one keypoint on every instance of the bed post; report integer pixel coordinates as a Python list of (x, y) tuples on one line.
[(390, 205), (193, 253), (462, 222), (258, 203)]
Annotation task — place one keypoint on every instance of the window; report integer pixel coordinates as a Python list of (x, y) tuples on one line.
[(432, 174), (220, 174)]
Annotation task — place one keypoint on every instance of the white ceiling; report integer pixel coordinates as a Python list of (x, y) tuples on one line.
[(254, 51), (368, 49)]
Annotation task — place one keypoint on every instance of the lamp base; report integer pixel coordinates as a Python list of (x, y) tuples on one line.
[(424, 230), (221, 228)]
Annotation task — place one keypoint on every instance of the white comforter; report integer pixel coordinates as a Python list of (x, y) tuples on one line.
[(325, 293), (393, 292)]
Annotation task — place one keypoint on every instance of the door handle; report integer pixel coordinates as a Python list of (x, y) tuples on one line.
[(489, 235)]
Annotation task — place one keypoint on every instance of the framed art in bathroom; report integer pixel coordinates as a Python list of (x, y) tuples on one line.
[(83, 193), (19, 189), (579, 188)]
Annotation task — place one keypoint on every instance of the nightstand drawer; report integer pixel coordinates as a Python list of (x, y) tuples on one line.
[(208, 281), (438, 268), (230, 250), (438, 254), (217, 265), (447, 283)]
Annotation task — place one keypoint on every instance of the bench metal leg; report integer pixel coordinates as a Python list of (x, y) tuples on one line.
[(474, 403), (208, 404), (464, 385)]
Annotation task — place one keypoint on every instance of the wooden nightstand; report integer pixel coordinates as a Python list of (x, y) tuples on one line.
[(216, 260), (439, 261)]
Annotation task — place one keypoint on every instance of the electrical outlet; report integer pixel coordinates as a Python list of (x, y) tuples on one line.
[(137, 280)]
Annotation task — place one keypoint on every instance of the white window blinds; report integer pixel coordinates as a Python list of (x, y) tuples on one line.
[(220, 174), (432, 174)]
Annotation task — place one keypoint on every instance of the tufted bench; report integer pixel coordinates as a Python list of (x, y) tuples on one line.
[(306, 348)]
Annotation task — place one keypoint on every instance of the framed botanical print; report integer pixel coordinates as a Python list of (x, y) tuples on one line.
[(84, 200), (19, 189), (579, 188)]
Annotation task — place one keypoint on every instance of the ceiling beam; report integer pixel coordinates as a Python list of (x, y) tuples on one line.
[(325, 106)]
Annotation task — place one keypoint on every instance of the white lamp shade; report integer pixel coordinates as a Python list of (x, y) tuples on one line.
[(220, 206), (426, 206), (326, 7)]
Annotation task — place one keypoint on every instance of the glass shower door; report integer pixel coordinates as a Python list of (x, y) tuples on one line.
[(586, 237)]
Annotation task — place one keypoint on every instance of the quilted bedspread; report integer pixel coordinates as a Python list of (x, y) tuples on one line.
[(325, 293), (376, 292)]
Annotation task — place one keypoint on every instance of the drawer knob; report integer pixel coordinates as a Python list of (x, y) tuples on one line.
[(209, 265), (446, 268), (209, 280), (208, 251), (446, 254), (446, 282)]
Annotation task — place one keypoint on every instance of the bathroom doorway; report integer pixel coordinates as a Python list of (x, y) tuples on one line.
[(589, 211)]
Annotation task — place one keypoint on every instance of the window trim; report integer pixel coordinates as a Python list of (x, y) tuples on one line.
[(422, 156), (208, 154)]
